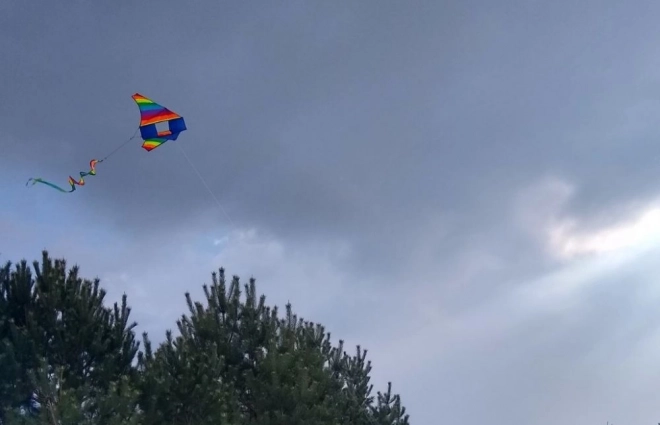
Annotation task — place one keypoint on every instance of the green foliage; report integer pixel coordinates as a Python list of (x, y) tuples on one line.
[(67, 359), (55, 333)]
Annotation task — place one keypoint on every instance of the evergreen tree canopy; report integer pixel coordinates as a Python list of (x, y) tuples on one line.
[(65, 358)]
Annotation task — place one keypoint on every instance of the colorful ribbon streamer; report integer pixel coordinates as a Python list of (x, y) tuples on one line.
[(73, 182)]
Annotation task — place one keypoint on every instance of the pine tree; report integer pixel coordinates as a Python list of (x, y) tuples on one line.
[(389, 410), (353, 373), (183, 384), (61, 347), (67, 359), (238, 362)]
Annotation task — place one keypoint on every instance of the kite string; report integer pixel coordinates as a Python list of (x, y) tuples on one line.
[(121, 146), (205, 184)]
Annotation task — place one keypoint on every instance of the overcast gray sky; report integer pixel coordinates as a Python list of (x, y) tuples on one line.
[(468, 189)]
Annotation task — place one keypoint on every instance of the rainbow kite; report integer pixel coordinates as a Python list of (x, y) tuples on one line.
[(152, 117), (152, 114)]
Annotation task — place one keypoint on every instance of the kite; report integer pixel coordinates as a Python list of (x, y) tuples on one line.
[(157, 125), (152, 114)]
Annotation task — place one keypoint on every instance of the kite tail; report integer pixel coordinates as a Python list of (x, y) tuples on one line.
[(72, 182)]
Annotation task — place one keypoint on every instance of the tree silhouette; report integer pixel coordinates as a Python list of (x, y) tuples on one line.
[(68, 359)]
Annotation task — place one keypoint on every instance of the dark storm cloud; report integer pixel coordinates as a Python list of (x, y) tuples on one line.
[(311, 120)]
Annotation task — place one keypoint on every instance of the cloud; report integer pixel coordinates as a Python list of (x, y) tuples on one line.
[(544, 211), (569, 243)]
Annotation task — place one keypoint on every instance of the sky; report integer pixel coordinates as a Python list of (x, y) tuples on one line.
[(469, 190)]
